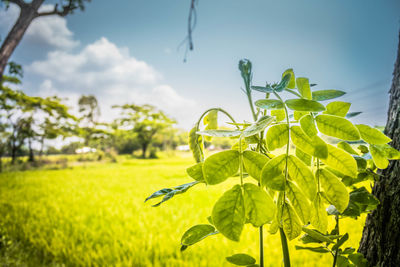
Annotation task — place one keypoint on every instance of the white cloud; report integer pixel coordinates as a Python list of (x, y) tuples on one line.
[(8, 17), (49, 31), (115, 77)]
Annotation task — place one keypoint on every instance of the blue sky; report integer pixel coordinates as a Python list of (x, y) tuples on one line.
[(128, 52)]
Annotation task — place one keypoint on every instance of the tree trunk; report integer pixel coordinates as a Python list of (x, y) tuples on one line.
[(380, 242), (27, 13), (41, 146), (31, 155), (144, 149), (13, 153)]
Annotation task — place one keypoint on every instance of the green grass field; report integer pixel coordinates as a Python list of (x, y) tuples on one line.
[(94, 215)]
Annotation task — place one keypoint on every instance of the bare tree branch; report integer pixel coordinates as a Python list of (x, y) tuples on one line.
[(63, 12)]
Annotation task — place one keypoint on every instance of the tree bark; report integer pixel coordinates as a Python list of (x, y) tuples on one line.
[(28, 12), (144, 149), (31, 155), (380, 242), (13, 153)]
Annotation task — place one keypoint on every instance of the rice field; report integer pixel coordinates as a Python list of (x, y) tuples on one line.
[(95, 215)]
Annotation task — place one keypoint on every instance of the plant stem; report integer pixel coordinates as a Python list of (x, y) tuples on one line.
[(285, 248), (249, 98), (337, 232), (319, 186), (261, 247), (240, 161)]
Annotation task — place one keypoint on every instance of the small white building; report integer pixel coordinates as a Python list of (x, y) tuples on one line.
[(85, 150)]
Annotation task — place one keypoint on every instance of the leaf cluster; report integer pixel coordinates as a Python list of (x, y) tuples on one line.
[(294, 191)]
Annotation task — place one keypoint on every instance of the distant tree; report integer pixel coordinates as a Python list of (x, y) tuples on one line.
[(15, 106), (145, 121), (90, 128), (25, 119), (89, 108), (56, 121), (29, 10)]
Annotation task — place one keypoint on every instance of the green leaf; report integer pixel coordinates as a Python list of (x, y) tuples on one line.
[(348, 250), (292, 82), (263, 89), (340, 242), (303, 86), (254, 163), (258, 126), (343, 262), (358, 259), (303, 176), (361, 163), (326, 94), (337, 127), (361, 201), (272, 173), (274, 227), (341, 161), (389, 151), (299, 202), (378, 156), (319, 217), (337, 108), (259, 206), (284, 82), (269, 104), (290, 222), (211, 122), (363, 149), (196, 172), (346, 147), (277, 136), (320, 147), (169, 193), (298, 114), (353, 114), (301, 140), (317, 235), (303, 156), (197, 233), (304, 105), (279, 114), (306, 239), (315, 146), (218, 167), (196, 145), (219, 133), (241, 259), (228, 213), (308, 126), (313, 249), (372, 135), (334, 189), (381, 153)]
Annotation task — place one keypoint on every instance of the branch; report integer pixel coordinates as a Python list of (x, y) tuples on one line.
[(191, 25), (65, 10)]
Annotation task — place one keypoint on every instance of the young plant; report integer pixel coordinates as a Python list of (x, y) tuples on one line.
[(290, 189)]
